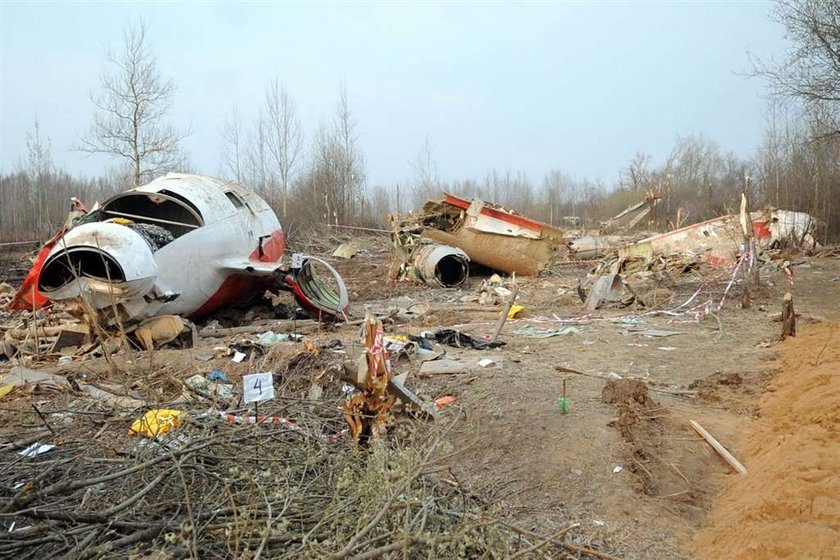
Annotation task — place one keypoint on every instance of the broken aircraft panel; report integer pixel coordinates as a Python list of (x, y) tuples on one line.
[(630, 217), (181, 245), (717, 241), (491, 235)]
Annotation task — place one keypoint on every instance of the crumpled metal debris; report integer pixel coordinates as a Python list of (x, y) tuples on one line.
[(368, 413), (463, 340), (608, 289), (488, 233)]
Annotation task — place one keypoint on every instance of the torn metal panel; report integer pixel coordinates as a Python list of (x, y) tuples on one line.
[(784, 227), (716, 241), (608, 289), (631, 216), (318, 297), (594, 247)]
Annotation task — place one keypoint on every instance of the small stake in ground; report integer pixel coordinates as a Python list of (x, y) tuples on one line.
[(788, 317), (563, 402)]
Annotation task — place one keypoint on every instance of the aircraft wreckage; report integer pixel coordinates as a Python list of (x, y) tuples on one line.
[(181, 245)]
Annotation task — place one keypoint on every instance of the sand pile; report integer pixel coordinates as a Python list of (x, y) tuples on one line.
[(788, 505)]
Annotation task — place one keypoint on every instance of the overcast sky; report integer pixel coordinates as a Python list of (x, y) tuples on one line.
[(527, 87)]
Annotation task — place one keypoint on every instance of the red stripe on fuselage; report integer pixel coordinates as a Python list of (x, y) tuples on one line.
[(238, 288)]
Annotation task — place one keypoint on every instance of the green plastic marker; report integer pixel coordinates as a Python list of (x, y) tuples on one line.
[(563, 402)]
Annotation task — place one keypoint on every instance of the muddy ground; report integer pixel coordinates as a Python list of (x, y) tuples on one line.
[(623, 461)]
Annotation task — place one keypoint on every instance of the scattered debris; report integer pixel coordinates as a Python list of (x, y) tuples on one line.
[(608, 289), (157, 331), (20, 376), (443, 367), (116, 401), (269, 338), (212, 387), (443, 402), (533, 331), (345, 251), (655, 333), (396, 386), (36, 449), (459, 339), (156, 422)]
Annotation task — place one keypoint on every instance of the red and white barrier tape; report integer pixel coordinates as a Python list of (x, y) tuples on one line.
[(279, 421)]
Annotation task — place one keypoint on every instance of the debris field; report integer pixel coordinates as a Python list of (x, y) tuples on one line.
[(474, 385)]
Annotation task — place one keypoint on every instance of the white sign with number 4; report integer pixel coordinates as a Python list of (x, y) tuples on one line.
[(258, 387)]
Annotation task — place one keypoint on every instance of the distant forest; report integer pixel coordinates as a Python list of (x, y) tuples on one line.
[(317, 176)]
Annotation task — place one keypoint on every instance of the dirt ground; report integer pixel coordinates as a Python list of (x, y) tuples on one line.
[(789, 505), (638, 478), (623, 462)]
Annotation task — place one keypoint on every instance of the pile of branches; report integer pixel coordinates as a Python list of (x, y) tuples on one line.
[(214, 489)]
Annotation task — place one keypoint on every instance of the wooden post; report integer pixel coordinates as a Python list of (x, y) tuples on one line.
[(745, 249), (788, 317), (750, 232), (503, 318), (721, 450)]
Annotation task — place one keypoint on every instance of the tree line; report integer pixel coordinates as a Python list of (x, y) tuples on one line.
[(322, 179)]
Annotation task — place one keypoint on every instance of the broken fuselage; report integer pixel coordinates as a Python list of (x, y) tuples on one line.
[(181, 245)]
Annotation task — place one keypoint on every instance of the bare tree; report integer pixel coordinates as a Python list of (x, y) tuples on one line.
[(426, 181), (284, 136), (557, 187), (131, 110), (39, 169), (637, 176), (257, 159), (810, 71), (233, 147), (335, 179), (352, 162)]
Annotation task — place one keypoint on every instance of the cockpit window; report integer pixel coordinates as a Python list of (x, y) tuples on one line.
[(156, 209), (234, 199)]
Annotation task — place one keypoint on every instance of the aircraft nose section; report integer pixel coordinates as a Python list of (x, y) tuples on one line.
[(104, 262)]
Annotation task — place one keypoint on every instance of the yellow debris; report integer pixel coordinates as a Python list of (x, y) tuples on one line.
[(156, 422), (4, 390), (514, 310)]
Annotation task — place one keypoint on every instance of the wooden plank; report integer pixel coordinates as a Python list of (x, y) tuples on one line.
[(722, 451)]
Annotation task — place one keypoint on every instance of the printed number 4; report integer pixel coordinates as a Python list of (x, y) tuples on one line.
[(258, 385)]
